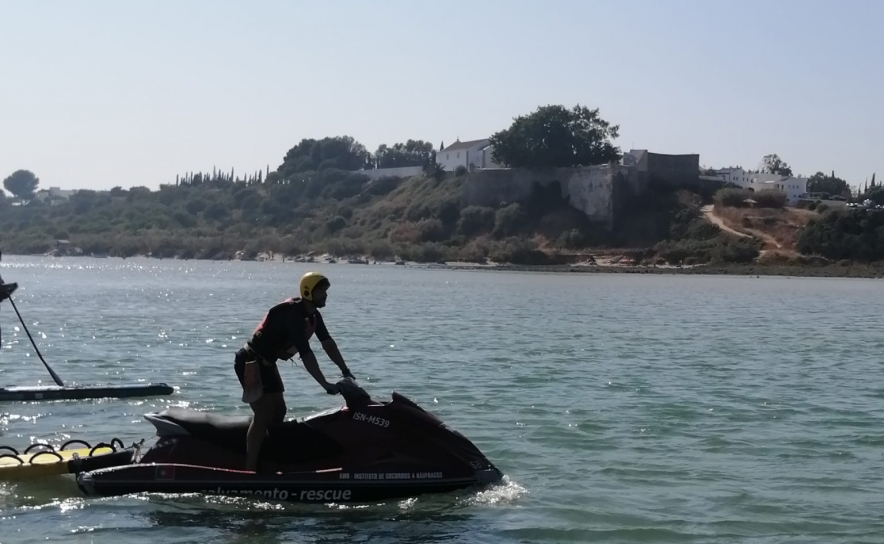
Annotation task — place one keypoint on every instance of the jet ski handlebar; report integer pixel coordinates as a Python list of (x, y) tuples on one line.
[(352, 391)]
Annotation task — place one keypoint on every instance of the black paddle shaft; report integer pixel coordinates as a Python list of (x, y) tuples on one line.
[(49, 368)]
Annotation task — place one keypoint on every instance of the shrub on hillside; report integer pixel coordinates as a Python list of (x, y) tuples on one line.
[(345, 211), (446, 210), (677, 252), (682, 220), (508, 220), (702, 230), (770, 198), (290, 245), (857, 235), (417, 211), (195, 206), (518, 251), (427, 252), (185, 220), (383, 186), (380, 250), (722, 249), (347, 186), (335, 224), (731, 198), (739, 250), (572, 239), (425, 230), (217, 212), (475, 220), (431, 230), (340, 247), (475, 251)]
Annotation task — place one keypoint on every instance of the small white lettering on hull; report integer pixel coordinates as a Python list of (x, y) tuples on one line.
[(283, 494), (326, 495), (379, 421), (390, 476), (274, 493)]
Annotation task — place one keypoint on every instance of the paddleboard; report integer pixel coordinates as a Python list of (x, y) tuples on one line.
[(55, 392)]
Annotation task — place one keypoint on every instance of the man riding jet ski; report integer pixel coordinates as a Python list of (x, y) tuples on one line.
[(364, 451), (285, 330)]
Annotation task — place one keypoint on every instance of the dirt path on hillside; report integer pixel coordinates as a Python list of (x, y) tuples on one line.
[(709, 215), (719, 222), (767, 238)]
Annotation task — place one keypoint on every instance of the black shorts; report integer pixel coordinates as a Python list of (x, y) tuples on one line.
[(270, 378)]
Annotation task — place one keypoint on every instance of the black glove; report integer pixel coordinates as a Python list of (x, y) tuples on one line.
[(332, 389), (348, 374)]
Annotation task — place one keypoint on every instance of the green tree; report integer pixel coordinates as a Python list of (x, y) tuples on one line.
[(821, 183), (411, 153), (773, 164), (22, 184), (554, 136), (340, 152), (83, 200), (216, 212)]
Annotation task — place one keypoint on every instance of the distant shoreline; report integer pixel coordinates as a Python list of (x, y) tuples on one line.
[(831, 271), (754, 269)]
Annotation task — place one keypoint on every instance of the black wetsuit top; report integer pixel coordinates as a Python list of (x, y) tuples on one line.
[(285, 329)]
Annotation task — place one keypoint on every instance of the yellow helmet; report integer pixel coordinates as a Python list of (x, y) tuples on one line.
[(309, 282)]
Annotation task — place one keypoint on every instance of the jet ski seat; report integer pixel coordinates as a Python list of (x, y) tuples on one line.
[(293, 440)]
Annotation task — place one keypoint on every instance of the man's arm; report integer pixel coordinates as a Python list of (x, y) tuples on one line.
[(312, 366), (296, 331), (330, 347)]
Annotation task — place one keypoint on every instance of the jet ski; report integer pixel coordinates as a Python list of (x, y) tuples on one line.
[(361, 452)]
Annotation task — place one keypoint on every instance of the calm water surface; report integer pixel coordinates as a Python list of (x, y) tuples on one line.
[(622, 408)]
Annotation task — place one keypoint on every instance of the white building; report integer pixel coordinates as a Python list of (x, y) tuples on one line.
[(734, 175), (475, 153), (54, 195), (794, 187)]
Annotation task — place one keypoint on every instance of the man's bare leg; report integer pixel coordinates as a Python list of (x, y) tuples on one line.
[(269, 410)]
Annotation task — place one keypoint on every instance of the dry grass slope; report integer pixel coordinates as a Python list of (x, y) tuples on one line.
[(777, 228)]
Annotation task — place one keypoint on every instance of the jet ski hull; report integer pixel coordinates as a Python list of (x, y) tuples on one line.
[(317, 487)]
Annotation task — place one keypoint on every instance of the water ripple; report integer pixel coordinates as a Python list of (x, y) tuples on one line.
[(621, 408)]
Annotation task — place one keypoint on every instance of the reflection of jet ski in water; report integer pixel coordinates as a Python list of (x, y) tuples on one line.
[(364, 451)]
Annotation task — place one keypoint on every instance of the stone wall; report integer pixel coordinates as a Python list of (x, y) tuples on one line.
[(598, 191), (680, 171), (590, 189)]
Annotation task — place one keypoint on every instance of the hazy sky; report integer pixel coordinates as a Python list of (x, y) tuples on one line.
[(95, 94)]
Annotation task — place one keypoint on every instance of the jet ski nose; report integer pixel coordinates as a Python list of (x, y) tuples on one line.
[(490, 475)]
